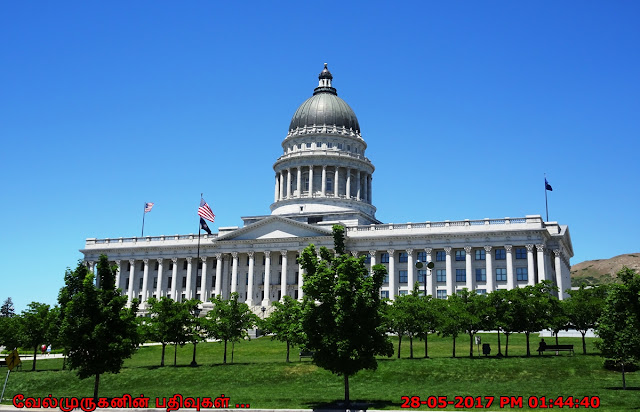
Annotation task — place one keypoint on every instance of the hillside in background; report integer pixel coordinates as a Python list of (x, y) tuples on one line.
[(602, 271)]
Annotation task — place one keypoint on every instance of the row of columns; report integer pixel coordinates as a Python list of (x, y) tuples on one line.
[(284, 184)]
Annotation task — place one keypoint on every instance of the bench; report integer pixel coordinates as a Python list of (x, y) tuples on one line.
[(556, 348), (307, 354)]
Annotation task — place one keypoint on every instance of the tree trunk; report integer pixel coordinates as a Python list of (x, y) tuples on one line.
[(454, 346), (225, 352), (624, 382), (426, 345), (35, 351), (95, 388), (499, 346), (584, 343), (556, 333), (471, 345), (64, 360), (287, 351), (506, 345), (346, 391), (527, 335), (411, 346), (164, 345), (399, 343), (175, 354), (233, 350)]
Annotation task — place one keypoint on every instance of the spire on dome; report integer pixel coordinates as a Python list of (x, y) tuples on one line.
[(324, 82)]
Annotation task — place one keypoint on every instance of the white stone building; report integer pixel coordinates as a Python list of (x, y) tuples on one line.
[(323, 178)]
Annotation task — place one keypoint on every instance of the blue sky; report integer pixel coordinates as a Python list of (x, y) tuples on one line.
[(464, 105)]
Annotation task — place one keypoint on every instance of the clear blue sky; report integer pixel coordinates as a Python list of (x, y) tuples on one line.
[(464, 106)]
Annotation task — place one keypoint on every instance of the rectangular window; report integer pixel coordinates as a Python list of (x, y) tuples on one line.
[(501, 254), (200, 265), (329, 145), (422, 275), (184, 282), (329, 184), (182, 297), (386, 278), (198, 281), (340, 146), (441, 275), (318, 145), (306, 183), (140, 283), (441, 256), (384, 258), (481, 275), (126, 286), (481, 254), (349, 147), (461, 275), (308, 145), (403, 292), (169, 282), (403, 277), (403, 258), (521, 253), (141, 266), (157, 265), (422, 256), (441, 294), (384, 294), (481, 291), (501, 274), (184, 265), (155, 282), (367, 258), (460, 255), (522, 274)]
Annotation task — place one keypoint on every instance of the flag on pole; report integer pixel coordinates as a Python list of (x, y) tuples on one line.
[(205, 211), (547, 186), (148, 206), (204, 226)]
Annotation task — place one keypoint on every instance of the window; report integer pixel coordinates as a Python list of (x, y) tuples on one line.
[(460, 255), (386, 278), (521, 274), (481, 254), (329, 184), (308, 145), (300, 146), (384, 258), (441, 294), (481, 291), (127, 284), (441, 256), (198, 281), (182, 297), (318, 145), (306, 182), (169, 282), (403, 292), (213, 280), (501, 254), (384, 294), (200, 264), (141, 265), (184, 265), (184, 282), (280, 260), (422, 256), (171, 265), (140, 286), (367, 258), (461, 275), (521, 253), (157, 265), (349, 147), (403, 258), (329, 145), (501, 274), (441, 275), (340, 146), (155, 282), (403, 277), (481, 275), (295, 294), (422, 275)]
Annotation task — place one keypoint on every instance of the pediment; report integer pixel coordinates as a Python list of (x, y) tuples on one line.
[(276, 227)]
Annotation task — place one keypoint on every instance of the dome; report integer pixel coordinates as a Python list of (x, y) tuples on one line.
[(325, 108)]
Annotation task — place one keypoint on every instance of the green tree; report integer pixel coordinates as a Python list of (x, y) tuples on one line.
[(285, 322), (474, 314), (34, 327), (7, 309), (168, 323), (395, 318), (98, 332), (342, 315), (452, 319), (229, 321), (584, 308), (619, 324), (10, 332), (498, 301), (531, 308), (558, 319), (427, 319)]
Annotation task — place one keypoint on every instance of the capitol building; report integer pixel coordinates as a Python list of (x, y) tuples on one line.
[(322, 178)]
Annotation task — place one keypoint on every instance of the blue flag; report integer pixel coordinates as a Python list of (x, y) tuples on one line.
[(547, 185)]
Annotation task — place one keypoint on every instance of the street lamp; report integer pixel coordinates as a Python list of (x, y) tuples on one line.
[(429, 265), (263, 309), (196, 333)]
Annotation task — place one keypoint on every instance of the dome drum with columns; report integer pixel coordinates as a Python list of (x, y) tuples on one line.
[(323, 177)]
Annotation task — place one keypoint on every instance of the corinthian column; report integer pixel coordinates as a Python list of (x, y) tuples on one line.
[(251, 278)]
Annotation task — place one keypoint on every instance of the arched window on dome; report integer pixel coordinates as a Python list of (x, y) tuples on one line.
[(305, 180), (329, 184)]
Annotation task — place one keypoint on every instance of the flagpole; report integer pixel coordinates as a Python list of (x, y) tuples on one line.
[(198, 258), (143, 213), (546, 204)]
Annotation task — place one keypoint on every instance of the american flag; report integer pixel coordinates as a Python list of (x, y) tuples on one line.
[(205, 211), (148, 206)]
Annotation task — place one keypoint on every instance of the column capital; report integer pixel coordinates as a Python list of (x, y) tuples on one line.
[(448, 250), (428, 250), (324, 167), (118, 262), (267, 253), (188, 258), (174, 260), (467, 249), (540, 248), (556, 252), (250, 253), (529, 247), (218, 256), (91, 263), (354, 253), (234, 255), (488, 248), (203, 259), (391, 251), (283, 252), (508, 248), (409, 252), (132, 262), (372, 253), (160, 260), (146, 261)]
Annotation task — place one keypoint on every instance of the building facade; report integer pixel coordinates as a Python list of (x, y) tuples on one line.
[(323, 178)]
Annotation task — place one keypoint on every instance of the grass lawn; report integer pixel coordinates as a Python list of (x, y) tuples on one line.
[(260, 376)]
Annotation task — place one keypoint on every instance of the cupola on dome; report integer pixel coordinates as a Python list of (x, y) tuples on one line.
[(325, 108)]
